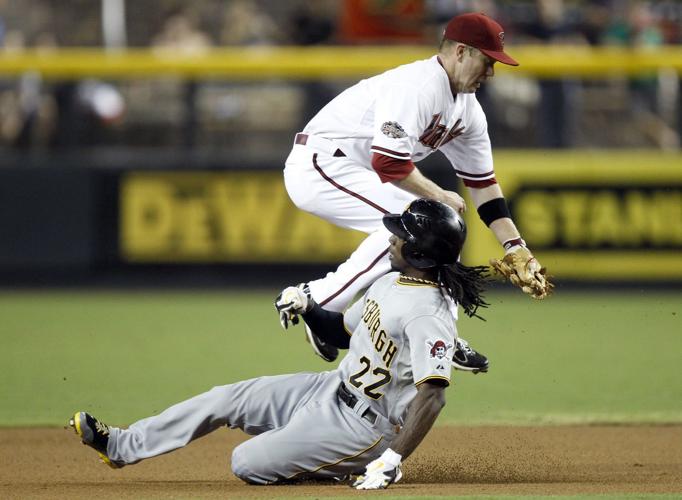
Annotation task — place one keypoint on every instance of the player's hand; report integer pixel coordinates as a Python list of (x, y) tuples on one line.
[(454, 200), (523, 270), (292, 302), (381, 472)]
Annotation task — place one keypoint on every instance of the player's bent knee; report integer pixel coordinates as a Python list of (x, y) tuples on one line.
[(245, 468)]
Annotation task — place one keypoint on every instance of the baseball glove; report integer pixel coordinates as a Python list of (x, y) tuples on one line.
[(523, 270)]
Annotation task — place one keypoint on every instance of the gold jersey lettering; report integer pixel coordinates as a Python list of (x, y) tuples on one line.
[(374, 327), (389, 353), (371, 317), (370, 308), (380, 343)]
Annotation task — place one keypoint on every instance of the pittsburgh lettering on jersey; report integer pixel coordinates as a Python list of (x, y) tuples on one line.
[(437, 135), (371, 316)]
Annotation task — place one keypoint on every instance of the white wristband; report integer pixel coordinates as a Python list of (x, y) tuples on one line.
[(391, 457)]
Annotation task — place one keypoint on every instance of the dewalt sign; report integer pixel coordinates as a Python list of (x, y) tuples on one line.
[(222, 217), (610, 216)]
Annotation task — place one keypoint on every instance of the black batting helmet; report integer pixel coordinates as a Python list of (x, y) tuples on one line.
[(433, 232)]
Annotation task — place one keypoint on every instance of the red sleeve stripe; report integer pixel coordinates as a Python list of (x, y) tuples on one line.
[(389, 152), (467, 175), (479, 184), (391, 169)]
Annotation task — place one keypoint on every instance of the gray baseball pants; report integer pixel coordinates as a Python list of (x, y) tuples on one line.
[(302, 429)]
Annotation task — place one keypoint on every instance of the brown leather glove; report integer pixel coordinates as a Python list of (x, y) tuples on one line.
[(523, 270)]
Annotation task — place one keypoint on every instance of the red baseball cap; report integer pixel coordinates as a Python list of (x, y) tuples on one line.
[(481, 32)]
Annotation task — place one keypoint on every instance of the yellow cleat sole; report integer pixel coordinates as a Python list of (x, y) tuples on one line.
[(75, 424)]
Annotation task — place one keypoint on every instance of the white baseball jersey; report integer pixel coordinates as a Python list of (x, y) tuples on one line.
[(403, 335), (375, 116), (405, 113)]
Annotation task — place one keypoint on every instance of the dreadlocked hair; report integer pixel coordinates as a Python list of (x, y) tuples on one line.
[(465, 285)]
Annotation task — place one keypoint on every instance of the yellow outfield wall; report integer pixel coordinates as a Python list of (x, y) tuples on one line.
[(587, 215)]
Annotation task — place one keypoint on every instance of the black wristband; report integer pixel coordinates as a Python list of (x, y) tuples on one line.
[(492, 210)]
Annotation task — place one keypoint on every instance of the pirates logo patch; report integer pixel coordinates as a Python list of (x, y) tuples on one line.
[(438, 349), (393, 130)]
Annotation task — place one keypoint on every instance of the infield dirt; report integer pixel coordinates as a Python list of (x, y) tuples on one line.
[(51, 463)]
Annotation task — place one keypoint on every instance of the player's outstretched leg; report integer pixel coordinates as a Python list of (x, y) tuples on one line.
[(93, 433)]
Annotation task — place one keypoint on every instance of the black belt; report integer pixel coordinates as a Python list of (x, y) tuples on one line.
[(351, 400), (302, 139)]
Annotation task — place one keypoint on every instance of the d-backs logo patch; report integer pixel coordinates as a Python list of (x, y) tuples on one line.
[(393, 130), (438, 349)]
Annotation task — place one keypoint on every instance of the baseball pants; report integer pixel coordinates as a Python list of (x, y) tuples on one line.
[(302, 429), (341, 191)]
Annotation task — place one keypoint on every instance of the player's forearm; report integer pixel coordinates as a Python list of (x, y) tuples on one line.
[(503, 228), (422, 414), (327, 325), (417, 184)]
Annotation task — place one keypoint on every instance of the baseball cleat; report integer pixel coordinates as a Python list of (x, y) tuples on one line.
[(326, 351), (93, 433), (465, 358)]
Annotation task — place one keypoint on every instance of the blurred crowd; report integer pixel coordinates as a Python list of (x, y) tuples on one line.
[(70, 114), (203, 23)]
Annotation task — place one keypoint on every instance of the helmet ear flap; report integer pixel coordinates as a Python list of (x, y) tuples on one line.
[(416, 257)]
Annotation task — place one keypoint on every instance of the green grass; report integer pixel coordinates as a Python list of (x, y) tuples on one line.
[(578, 357)]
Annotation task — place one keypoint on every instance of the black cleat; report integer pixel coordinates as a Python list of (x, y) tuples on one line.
[(465, 358), (93, 433)]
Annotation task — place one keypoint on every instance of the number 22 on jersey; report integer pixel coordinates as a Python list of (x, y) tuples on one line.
[(381, 378)]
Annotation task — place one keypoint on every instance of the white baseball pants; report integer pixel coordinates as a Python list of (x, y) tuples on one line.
[(348, 195)]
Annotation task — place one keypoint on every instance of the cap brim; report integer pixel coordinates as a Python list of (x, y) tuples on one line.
[(394, 224), (502, 57)]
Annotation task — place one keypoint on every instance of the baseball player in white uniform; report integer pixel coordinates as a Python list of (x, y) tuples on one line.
[(365, 417), (355, 160)]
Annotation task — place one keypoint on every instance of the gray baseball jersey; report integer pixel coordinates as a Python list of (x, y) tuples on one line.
[(321, 425), (403, 335)]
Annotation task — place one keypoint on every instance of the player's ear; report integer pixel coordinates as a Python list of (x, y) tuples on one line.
[(460, 49)]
